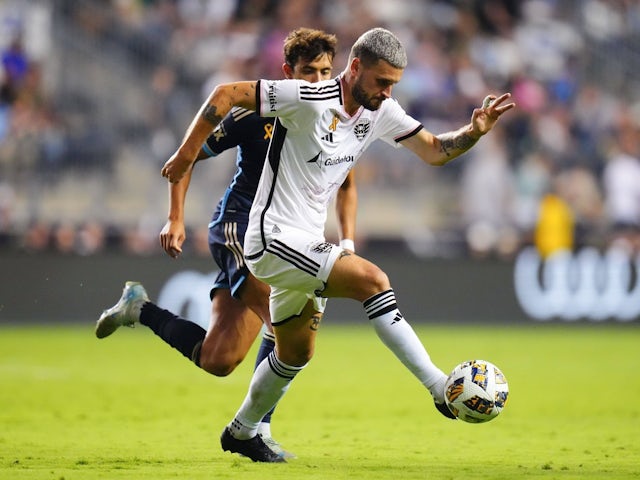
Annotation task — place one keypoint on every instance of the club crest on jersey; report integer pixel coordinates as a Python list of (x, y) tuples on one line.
[(362, 128), (321, 247)]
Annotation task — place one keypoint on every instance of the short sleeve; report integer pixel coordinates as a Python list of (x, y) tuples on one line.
[(397, 125)]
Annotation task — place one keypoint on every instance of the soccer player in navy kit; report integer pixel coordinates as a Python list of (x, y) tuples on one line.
[(240, 302), (284, 243)]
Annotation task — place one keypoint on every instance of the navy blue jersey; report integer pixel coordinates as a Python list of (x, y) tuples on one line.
[(251, 133)]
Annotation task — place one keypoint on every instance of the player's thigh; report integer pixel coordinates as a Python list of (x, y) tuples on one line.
[(255, 295), (225, 242), (355, 277)]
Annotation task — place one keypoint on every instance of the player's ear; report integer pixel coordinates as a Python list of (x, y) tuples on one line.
[(354, 67), (287, 70)]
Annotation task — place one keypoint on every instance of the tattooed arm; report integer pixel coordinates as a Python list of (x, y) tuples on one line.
[(440, 149), (219, 103)]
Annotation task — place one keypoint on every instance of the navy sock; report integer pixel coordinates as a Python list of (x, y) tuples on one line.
[(183, 335), (266, 347)]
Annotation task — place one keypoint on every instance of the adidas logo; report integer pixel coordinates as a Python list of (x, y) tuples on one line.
[(397, 318), (328, 137)]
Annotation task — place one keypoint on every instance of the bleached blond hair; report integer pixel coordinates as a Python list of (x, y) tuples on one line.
[(379, 44)]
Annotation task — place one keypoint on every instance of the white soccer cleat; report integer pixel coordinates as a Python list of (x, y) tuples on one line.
[(124, 313), (276, 448)]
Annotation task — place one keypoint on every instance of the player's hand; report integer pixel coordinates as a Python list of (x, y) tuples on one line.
[(172, 236), (175, 168), (485, 117)]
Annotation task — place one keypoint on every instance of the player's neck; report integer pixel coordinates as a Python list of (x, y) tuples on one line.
[(350, 105)]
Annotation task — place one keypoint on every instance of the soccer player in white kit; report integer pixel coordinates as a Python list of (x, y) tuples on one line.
[(320, 132)]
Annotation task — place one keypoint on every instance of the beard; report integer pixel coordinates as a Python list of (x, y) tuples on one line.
[(368, 102)]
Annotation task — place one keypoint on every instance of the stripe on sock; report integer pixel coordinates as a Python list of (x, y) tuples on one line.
[(269, 336), (380, 303), (282, 369)]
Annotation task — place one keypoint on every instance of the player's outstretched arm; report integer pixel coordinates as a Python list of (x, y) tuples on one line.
[(219, 103), (440, 149)]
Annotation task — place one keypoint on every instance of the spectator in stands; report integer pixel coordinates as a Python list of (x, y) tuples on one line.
[(621, 184)]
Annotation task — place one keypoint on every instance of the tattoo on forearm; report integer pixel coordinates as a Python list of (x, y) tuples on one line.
[(210, 114), (461, 141)]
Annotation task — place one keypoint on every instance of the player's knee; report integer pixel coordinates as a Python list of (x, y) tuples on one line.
[(219, 365), (376, 281), (296, 356)]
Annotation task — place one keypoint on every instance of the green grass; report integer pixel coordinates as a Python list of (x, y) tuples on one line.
[(128, 407)]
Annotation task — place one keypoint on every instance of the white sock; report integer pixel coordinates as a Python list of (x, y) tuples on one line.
[(269, 383), (396, 333), (264, 429)]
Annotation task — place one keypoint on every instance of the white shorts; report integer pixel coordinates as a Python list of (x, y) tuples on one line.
[(296, 265)]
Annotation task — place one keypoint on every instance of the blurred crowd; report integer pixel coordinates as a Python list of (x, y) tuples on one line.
[(566, 160)]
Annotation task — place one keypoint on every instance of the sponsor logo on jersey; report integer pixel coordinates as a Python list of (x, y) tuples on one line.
[(271, 89), (362, 128), (586, 284), (338, 160), (331, 161), (316, 160)]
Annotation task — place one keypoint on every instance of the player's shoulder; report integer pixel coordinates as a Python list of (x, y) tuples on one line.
[(322, 90), (319, 91), (242, 118), (391, 104), (390, 108), (238, 114)]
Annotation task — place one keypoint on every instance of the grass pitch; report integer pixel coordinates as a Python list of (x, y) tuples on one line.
[(129, 407)]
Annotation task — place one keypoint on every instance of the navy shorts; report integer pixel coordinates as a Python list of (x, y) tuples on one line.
[(226, 241)]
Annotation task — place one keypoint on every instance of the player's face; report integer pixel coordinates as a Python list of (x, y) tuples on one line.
[(315, 71), (373, 84)]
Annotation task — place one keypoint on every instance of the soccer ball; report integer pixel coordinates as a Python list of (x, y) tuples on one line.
[(476, 391)]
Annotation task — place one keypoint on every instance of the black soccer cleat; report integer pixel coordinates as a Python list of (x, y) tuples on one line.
[(444, 410), (254, 448)]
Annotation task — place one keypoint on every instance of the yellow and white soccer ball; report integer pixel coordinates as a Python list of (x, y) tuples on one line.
[(476, 391)]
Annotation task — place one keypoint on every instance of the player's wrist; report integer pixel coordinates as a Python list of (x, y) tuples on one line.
[(348, 244), (473, 133)]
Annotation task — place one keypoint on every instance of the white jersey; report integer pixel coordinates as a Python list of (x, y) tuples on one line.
[(314, 145)]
